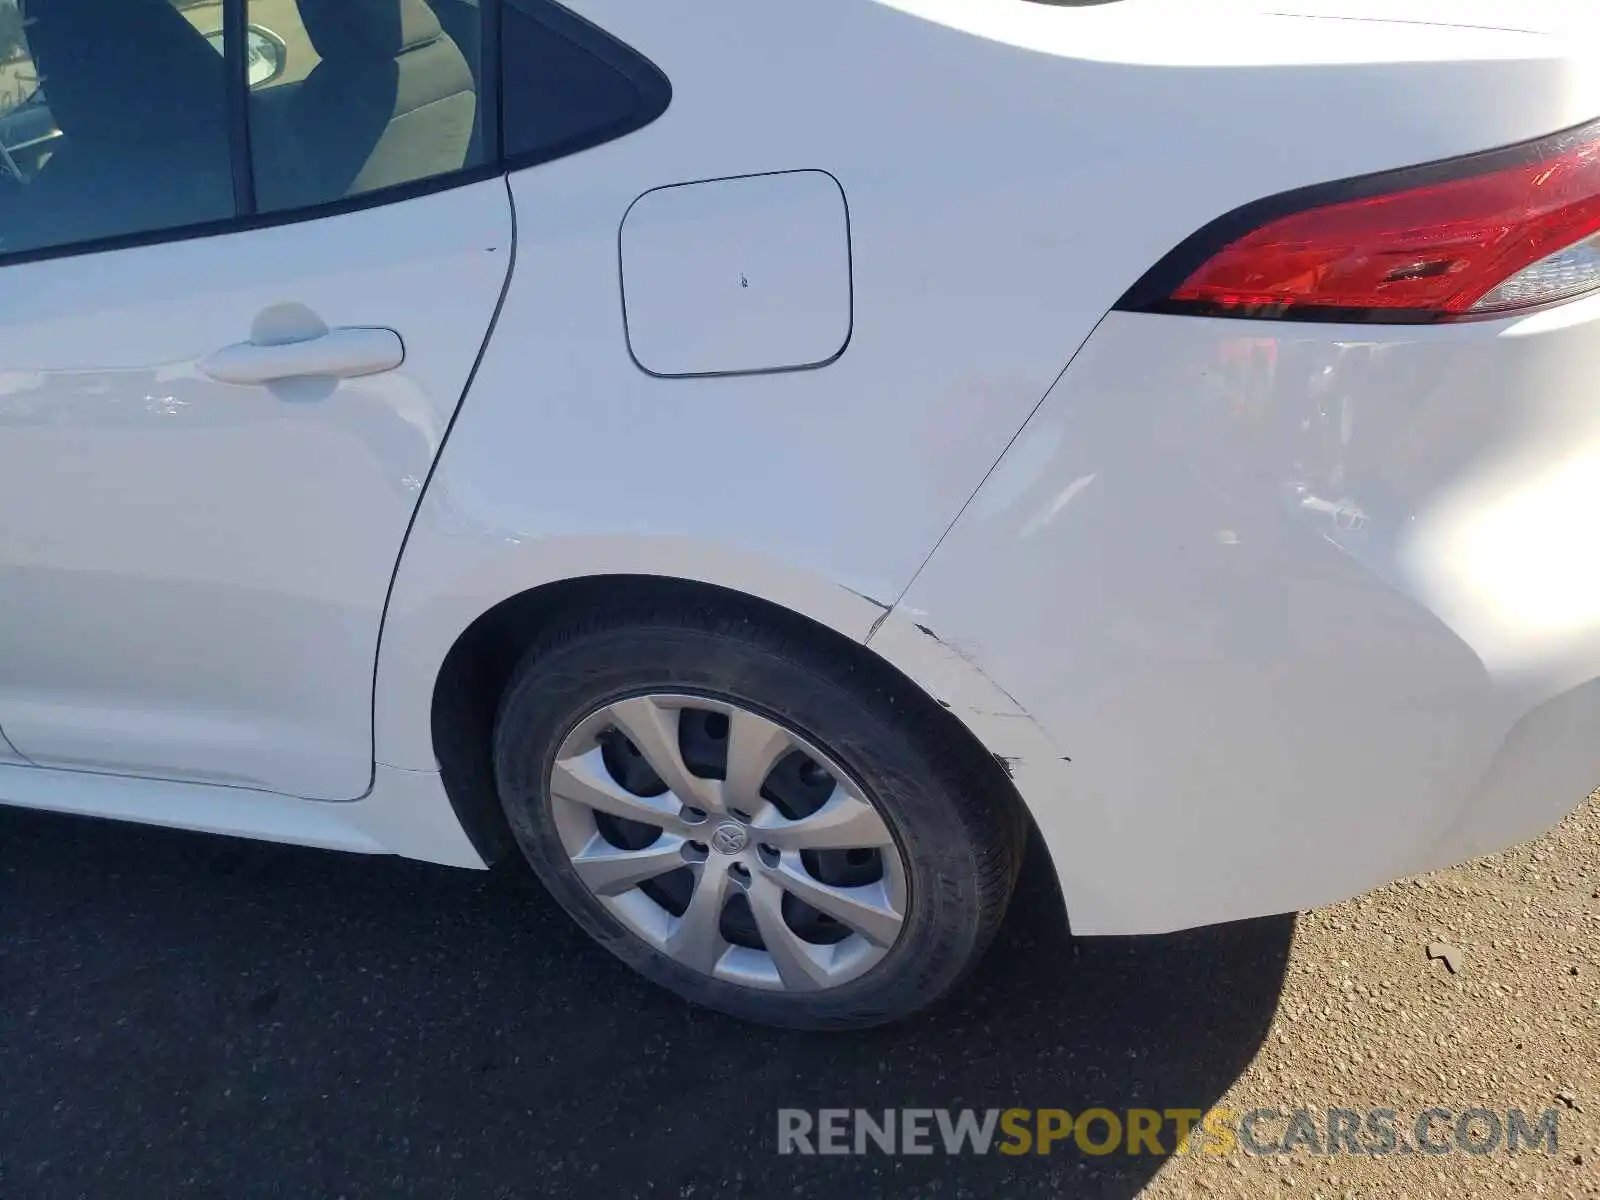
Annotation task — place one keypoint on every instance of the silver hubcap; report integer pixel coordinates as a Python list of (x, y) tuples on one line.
[(728, 842)]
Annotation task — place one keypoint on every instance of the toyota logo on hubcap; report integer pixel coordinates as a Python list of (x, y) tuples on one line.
[(729, 838)]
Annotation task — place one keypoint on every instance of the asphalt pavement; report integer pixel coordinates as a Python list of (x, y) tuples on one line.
[(182, 1015)]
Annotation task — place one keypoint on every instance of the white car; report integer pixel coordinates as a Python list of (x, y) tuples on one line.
[(759, 461)]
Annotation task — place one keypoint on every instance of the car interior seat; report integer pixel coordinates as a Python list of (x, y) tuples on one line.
[(138, 95), (392, 100)]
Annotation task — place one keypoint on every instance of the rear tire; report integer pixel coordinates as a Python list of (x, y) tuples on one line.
[(915, 913)]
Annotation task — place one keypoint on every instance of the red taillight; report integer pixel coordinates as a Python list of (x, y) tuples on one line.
[(1491, 235)]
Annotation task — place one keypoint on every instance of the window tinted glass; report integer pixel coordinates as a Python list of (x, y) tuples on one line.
[(566, 85), (349, 96), (112, 119)]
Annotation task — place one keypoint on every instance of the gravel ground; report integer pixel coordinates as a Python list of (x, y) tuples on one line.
[(186, 1016), (1367, 1019), (193, 1016)]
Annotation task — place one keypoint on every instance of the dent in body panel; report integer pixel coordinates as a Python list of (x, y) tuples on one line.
[(952, 675), (961, 319), (1236, 567)]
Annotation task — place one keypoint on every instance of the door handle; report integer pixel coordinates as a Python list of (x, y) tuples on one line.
[(340, 353)]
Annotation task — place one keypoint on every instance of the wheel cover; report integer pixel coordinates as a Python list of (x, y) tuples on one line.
[(770, 869)]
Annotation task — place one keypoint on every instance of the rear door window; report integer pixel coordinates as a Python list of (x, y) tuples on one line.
[(349, 97), (112, 122), (122, 118)]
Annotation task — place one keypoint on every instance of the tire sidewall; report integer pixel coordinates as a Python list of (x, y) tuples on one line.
[(559, 686)]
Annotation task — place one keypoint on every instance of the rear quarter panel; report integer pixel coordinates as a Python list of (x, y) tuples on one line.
[(1010, 169)]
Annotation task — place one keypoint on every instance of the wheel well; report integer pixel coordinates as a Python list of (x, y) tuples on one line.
[(478, 669)]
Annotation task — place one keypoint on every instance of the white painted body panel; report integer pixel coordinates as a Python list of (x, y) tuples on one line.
[(405, 813), (1562, 17), (192, 573), (983, 257), (1279, 651), (730, 276), (1318, 604)]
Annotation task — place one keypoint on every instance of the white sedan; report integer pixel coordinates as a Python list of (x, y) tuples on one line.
[(759, 462)]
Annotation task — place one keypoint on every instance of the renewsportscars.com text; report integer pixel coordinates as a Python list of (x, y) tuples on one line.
[(1258, 1131)]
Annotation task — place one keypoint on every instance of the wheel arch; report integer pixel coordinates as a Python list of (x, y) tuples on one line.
[(478, 666)]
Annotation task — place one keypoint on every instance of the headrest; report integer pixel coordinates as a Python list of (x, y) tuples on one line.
[(133, 69), (368, 29)]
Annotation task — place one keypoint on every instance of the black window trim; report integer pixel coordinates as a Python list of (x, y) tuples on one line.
[(649, 81), (492, 70), (235, 35), (655, 92)]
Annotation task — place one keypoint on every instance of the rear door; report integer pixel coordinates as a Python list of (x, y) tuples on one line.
[(233, 328)]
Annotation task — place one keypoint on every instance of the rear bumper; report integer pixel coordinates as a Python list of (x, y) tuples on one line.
[(1307, 607)]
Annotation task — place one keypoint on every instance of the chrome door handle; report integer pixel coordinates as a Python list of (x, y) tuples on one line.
[(339, 353)]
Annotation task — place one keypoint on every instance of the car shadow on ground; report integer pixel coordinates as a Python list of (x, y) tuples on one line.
[(184, 1015)]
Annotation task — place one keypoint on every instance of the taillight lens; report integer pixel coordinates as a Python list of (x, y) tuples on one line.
[(1490, 235)]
